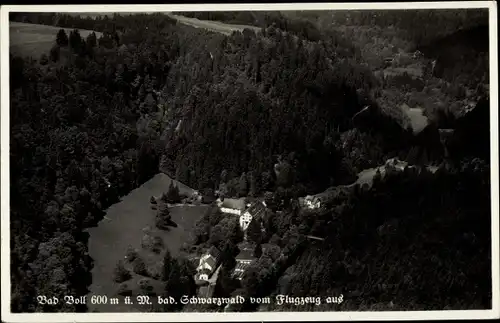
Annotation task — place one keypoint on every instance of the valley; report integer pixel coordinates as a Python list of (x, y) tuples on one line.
[(215, 154)]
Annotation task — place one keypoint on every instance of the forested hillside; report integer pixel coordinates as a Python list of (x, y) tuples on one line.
[(292, 110), (79, 140), (455, 40)]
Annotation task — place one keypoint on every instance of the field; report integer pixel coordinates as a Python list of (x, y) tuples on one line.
[(366, 176), (215, 26), (210, 25), (125, 225), (34, 40)]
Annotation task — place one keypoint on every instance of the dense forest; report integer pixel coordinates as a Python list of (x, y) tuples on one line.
[(432, 23), (391, 258), (274, 113)]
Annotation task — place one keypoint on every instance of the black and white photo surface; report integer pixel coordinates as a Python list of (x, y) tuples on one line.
[(254, 162)]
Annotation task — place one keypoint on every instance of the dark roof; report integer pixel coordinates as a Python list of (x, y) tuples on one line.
[(239, 270), (245, 254), (212, 261), (238, 274), (199, 282), (241, 266), (238, 204), (194, 260), (257, 209), (214, 257)]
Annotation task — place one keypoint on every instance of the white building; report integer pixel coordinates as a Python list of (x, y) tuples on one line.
[(232, 206), (197, 196), (237, 207), (312, 202), (245, 220), (208, 263), (204, 274)]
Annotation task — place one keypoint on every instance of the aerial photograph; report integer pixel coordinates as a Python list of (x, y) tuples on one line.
[(250, 161)]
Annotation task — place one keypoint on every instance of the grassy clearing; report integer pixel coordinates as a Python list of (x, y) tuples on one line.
[(418, 120), (366, 176), (215, 26), (123, 227), (34, 40)]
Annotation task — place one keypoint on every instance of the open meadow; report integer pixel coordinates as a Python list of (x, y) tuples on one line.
[(34, 40), (125, 225), (214, 26)]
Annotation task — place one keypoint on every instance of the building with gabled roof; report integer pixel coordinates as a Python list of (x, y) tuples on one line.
[(239, 270), (243, 260), (208, 264), (255, 211), (232, 206), (245, 255)]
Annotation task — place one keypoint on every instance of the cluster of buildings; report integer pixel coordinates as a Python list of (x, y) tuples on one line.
[(210, 262), (245, 211)]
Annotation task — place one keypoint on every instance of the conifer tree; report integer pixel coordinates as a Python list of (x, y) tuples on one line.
[(62, 38), (173, 195)]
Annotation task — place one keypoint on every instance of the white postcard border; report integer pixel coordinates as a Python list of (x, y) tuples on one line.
[(7, 316)]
